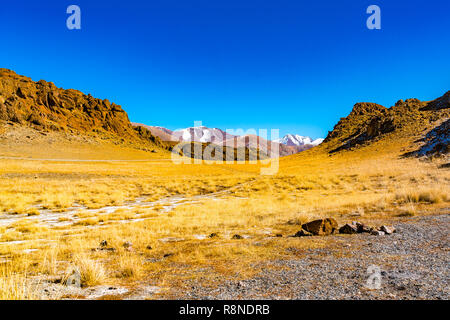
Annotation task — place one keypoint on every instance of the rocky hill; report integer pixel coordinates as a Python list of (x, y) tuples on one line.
[(43, 106), (163, 133), (370, 122)]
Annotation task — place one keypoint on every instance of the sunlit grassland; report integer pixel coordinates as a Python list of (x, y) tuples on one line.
[(171, 246)]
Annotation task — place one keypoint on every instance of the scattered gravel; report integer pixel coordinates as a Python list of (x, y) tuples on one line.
[(413, 264)]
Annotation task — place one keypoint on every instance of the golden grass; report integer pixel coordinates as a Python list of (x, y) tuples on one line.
[(91, 271), (14, 287), (236, 200), (424, 195)]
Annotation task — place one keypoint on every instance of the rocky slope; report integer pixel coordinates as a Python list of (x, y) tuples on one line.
[(163, 133), (43, 106), (370, 122)]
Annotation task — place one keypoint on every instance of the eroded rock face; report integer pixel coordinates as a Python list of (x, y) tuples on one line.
[(369, 122), (44, 106), (321, 227)]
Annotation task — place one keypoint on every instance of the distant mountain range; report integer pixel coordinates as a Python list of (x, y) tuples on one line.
[(297, 140), (412, 127), (287, 145)]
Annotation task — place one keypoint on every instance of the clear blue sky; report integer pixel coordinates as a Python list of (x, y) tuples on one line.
[(294, 65)]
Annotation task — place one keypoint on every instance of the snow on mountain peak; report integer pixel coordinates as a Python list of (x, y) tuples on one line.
[(298, 140), (201, 134)]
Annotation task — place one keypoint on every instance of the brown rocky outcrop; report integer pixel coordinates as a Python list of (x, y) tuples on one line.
[(368, 122), (45, 107)]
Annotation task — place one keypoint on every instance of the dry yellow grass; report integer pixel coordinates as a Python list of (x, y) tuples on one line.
[(236, 200)]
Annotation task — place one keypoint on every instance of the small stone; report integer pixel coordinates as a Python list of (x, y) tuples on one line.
[(302, 233), (388, 229), (236, 236), (167, 255), (279, 235), (105, 249), (149, 248), (127, 245), (103, 243), (213, 235), (377, 233)]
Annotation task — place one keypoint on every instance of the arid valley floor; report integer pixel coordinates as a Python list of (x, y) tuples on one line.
[(157, 218), (90, 195)]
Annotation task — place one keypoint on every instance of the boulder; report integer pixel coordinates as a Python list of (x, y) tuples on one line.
[(321, 227), (348, 229), (377, 233), (388, 229), (362, 228)]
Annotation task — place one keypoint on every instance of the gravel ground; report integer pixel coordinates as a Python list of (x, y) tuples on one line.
[(413, 264)]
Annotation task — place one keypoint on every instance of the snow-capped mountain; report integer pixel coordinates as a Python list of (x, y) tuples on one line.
[(297, 140), (201, 134), (287, 145)]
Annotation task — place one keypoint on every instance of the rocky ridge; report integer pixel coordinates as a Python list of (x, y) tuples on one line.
[(45, 107), (369, 122)]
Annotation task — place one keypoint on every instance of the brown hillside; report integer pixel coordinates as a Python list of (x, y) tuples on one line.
[(162, 133), (370, 122), (44, 107)]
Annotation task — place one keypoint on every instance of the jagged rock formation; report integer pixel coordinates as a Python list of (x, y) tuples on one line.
[(369, 122), (45, 107)]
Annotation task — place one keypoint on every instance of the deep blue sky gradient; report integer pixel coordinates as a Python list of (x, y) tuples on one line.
[(289, 64)]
